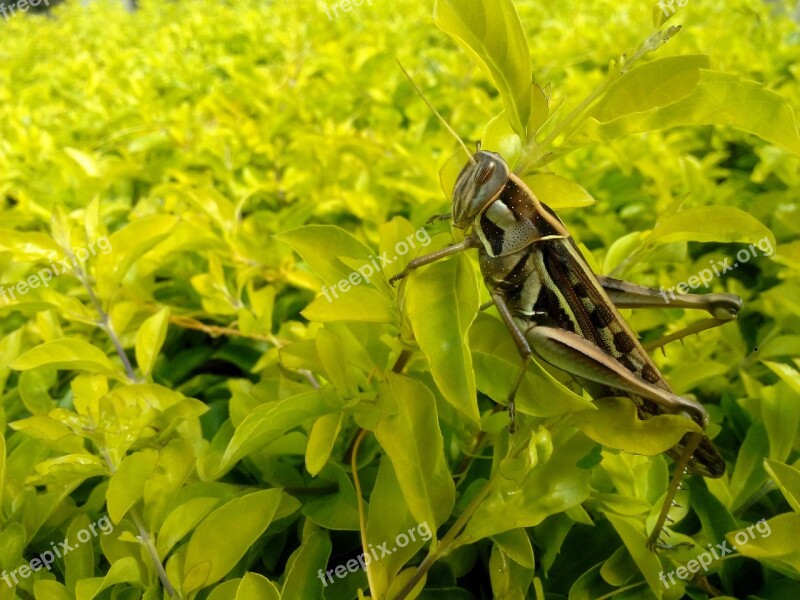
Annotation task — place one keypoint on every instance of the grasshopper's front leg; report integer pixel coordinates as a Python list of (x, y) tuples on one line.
[(470, 241)]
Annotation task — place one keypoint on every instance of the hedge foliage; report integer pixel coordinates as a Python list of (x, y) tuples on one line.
[(203, 388)]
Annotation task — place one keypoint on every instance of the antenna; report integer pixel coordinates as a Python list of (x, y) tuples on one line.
[(436, 112)]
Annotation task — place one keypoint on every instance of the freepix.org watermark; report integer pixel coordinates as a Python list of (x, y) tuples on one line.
[(45, 276), (48, 557), (343, 5), (367, 270), (668, 6), (9, 10), (721, 267), (705, 559), (366, 558)]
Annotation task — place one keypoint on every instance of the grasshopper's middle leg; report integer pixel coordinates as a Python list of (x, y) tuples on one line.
[(522, 346)]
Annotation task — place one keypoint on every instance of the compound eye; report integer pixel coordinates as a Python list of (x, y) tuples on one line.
[(485, 171)]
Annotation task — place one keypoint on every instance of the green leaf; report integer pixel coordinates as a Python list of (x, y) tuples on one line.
[(709, 224), (45, 589), (411, 437), (777, 542), (251, 587), (442, 302), (493, 34), (181, 521), (333, 357), (86, 161), (356, 304), (558, 192), (498, 136), (517, 545), (225, 535), (302, 569), (71, 469), (150, 338), (33, 389), (52, 432), (79, 563), (127, 484), (654, 84), (790, 376), (788, 480), (2, 466), (337, 510), (66, 353), (266, 424), (616, 425), (780, 411), (388, 515), (635, 541), (30, 246), (550, 488), (257, 587), (748, 473), (127, 246), (125, 570), (176, 462), (718, 99), (321, 246), (321, 440)]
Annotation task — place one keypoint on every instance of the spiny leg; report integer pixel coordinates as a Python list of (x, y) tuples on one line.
[(434, 218), (471, 241), (574, 354), (524, 350), (674, 485), (722, 307)]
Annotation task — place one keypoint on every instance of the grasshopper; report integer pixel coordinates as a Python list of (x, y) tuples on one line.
[(557, 309)]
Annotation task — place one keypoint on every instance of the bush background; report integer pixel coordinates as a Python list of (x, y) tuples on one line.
[(192, 134)]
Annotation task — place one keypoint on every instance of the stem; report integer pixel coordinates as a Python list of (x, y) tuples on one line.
[(622, 589), (144, 535), (145, 538), (533, 154), (444, 546), (217, 330), (362, 517), (105, 323), (402, 360)]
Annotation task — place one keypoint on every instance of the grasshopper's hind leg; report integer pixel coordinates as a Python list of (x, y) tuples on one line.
[(692, 442), (579, 357), (722, 307)]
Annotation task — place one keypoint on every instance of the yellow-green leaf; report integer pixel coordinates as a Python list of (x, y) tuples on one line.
[(225, 535), (493, 34), (442, 302), (66, 353), (150, 338), (558, 192)]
